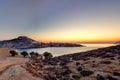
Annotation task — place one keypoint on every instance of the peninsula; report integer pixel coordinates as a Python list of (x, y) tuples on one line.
[(23, 42)]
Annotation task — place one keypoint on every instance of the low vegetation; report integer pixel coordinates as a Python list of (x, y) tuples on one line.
[(46, 55), (24, 53), (13, 53), (35, 54)]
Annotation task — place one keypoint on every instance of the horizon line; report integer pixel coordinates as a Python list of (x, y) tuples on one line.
[(69, 41)]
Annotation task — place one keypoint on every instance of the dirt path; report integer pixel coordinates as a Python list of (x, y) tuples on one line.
[(10, 69), (3, 69)]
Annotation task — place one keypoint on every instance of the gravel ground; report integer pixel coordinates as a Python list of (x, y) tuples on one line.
[(17, 73), (11, 69)]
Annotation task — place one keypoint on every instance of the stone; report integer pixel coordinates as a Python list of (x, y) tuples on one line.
[(105, 62), (111, 78), (77, 63), (79, 69), (100, 77), (76, 77), (86, 73)]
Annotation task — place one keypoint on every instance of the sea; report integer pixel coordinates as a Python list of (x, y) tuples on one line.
[(58, 51)]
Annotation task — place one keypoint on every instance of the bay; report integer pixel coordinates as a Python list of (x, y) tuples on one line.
[(57, 51)]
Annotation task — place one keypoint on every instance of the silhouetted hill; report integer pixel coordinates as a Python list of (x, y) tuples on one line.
[(117, 42), (20, 42), (25, 42)]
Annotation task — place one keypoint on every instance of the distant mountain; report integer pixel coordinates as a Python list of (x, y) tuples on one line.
[(25, 42), (117, 42), (20, 42)]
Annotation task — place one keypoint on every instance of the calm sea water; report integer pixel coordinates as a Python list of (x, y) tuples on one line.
[(57, 51)]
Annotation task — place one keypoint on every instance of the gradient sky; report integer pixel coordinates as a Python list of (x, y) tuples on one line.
[(61, 20)]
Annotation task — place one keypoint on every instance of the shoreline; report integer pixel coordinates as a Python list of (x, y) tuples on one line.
[(102, 63), (58, 51)]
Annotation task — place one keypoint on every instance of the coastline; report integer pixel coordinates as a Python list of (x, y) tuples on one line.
[(58, 51), (98, 64)]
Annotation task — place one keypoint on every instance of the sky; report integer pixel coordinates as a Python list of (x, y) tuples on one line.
[(82, 21)]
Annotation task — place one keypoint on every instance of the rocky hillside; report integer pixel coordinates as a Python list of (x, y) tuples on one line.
[(25, 42), (99, 64), (20, 42)]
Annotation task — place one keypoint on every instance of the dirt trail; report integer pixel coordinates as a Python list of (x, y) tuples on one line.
[(10, 69), (3, 69)]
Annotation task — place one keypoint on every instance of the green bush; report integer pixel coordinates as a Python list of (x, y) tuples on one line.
[(24, 53), (34, 54), (47, 55), (13, 53)]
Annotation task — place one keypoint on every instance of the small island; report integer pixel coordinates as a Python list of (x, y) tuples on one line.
[(117, 42)]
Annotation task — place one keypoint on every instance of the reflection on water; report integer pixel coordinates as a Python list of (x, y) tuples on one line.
[(98, 45), (57, 51)]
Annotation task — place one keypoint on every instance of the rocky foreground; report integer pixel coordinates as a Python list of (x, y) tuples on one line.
[(99, 64)]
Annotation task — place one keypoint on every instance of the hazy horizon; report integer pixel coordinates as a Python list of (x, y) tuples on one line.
[(83, 21), (63, 42)]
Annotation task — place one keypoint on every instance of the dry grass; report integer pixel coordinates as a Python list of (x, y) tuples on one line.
[(5, 51)]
